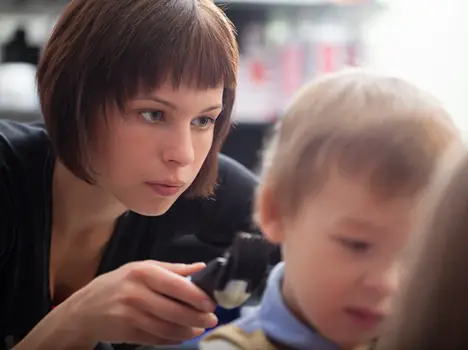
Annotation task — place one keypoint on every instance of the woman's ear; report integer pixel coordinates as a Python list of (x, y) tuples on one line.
[(269, 216)]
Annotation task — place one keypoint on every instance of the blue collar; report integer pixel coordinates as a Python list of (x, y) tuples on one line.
[(280, 325)]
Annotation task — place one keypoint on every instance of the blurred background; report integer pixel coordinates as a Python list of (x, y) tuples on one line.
[(283, 43)]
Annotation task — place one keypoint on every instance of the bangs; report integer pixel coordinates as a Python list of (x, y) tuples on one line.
[(197, 48), (394, 158)]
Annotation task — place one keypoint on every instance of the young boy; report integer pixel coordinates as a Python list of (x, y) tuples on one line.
[(342, 178)]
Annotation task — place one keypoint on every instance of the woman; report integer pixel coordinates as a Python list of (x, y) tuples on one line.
[(136, 96)]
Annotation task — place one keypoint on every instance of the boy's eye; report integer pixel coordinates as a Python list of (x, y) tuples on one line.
[(203, 122), (355, 245), (152, 116)]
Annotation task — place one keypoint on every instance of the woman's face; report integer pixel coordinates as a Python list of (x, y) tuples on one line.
[(148, 158)]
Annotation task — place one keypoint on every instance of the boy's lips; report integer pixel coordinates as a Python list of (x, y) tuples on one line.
[(365, 318)]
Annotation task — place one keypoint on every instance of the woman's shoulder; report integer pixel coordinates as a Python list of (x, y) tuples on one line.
[(231, 172), (236, 184), (22, 143), (21, 146), (24, 150), (234, 192), (229, 210)]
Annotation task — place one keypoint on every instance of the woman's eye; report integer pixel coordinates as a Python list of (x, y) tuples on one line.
[(203, 122), (152, 116), (355, 245)]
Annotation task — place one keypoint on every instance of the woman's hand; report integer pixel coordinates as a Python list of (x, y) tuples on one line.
[(146, 303)]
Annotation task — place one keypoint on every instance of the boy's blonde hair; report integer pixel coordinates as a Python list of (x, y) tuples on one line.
[(363, 124)]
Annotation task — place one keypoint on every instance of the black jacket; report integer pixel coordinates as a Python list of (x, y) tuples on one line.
[(192, 230)]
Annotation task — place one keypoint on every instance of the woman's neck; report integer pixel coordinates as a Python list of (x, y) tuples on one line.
[(79, 207)]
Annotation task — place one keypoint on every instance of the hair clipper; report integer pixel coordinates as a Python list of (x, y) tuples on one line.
[(231, 279)]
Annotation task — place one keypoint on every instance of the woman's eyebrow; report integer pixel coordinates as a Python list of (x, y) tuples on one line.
[(173, 106), (212, 108), (159, 100)]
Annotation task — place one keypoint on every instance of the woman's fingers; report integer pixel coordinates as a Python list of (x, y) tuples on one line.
[(143, 338), (161, 329), (164, 281), (141, 303), (172, 311)]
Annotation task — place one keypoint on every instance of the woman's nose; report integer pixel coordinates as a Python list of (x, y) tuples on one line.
[(179, 148)]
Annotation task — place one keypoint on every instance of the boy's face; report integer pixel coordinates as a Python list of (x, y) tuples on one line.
[(343, 254)]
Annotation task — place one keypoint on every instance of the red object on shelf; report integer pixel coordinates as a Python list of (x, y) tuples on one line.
[(327, 58), (292, 69), (257, 72), (329, 54)]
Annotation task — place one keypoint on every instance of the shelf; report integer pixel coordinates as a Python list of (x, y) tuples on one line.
[(30, 10), (295, 2), (275, 2), (33, 7)]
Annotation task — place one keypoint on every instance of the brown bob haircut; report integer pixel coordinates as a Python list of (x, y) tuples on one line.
[(104, 52)]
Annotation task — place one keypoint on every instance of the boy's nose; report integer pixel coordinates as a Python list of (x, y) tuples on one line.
[(383, 280)]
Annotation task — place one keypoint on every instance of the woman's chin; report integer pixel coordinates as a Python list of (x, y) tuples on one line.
[(154, 208)]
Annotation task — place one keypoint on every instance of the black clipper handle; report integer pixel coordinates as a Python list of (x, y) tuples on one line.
[(207, 278)]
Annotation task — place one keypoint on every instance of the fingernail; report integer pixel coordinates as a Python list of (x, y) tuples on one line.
[(198, 332), (213, 320), (207, 306)]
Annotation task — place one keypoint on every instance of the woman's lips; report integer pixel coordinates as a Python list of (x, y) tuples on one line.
[(164, 189)]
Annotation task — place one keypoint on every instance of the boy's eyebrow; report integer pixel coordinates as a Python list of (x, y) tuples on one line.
[(359, 224)]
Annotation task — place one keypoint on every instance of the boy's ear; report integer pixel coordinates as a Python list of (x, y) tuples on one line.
[(269, 216)]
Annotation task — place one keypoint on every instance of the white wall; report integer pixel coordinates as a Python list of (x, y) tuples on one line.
[(425, 41)]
